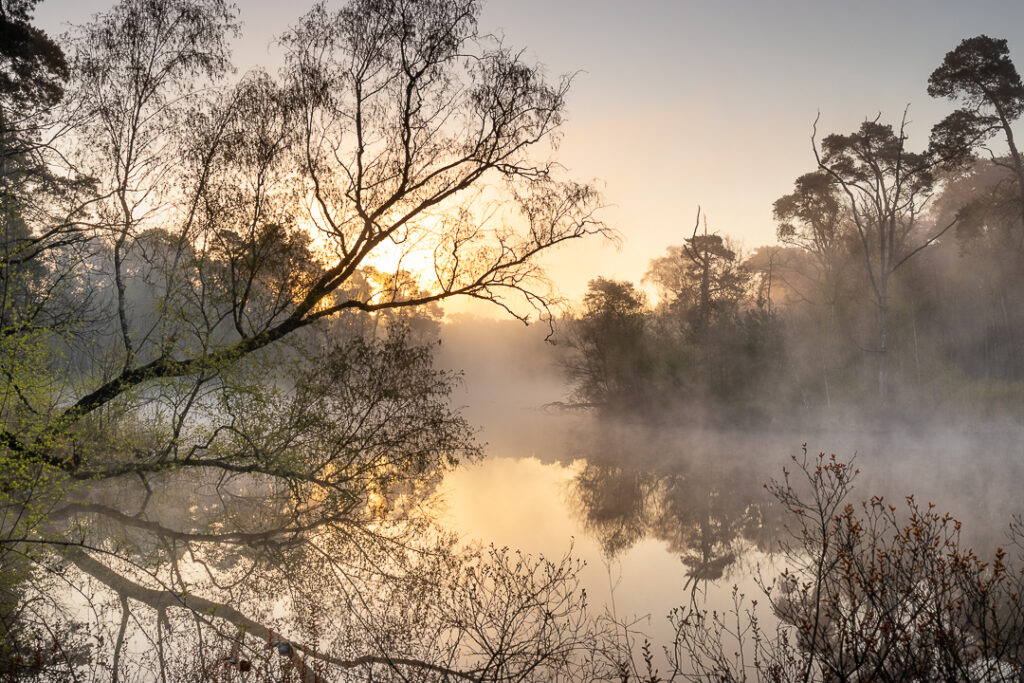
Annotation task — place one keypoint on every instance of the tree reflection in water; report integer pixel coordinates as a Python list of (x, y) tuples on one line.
[(320, 556), (710, 511)]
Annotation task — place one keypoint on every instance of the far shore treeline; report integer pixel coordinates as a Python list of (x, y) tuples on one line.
[(894, 291)]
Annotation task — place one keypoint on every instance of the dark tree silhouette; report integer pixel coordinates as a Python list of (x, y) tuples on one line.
[(608, 364), (981, 76), (886, 189), (700, 279), (187, 416)]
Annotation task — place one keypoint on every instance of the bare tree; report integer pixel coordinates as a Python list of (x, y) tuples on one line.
[(214, 441), (870, 591)]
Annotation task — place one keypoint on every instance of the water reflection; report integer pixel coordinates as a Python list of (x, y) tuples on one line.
[(197, 577), (708, 511), (298, 516), (673, 516)]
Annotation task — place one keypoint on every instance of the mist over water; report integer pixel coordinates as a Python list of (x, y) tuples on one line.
[(659, 508), (241, 440)]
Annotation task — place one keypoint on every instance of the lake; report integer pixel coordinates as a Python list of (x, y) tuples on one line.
[(657, 512)]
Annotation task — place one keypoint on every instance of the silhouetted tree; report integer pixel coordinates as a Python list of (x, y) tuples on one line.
[(700, 279), (205, 442), (813, 218), (609, 362), (33, 72), (886, 189), (980, 75)]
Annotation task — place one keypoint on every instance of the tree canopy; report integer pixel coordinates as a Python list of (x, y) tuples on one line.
[(202, 410)]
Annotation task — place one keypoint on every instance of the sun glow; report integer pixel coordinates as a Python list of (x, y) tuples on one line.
[(407, 257), (391, 259), (441, 250)]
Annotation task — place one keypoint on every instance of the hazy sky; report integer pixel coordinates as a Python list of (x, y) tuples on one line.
[(711, 103)]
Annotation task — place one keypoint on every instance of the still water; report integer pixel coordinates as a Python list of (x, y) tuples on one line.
[(663, 516), (670, 516), (526, 504)]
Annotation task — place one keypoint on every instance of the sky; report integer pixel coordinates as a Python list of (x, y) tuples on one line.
[(680, 103)]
